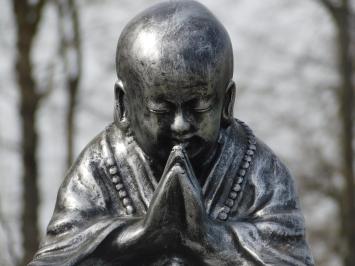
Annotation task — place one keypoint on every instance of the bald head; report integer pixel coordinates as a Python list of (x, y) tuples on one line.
[(175, 65), (175, 41)]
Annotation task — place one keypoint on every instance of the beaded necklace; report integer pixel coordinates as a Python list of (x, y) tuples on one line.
[(232, 196), (238, 183)]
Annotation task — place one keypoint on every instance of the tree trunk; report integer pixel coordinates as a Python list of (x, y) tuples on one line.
[(70, 46), (342, 14), (346, 100), (27, 17), (72, 92), (30, 197)]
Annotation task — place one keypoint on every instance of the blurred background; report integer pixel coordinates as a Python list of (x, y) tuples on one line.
[(295, 77)]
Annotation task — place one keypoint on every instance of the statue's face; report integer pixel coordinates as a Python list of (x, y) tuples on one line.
[(169, 113), (175, 61)]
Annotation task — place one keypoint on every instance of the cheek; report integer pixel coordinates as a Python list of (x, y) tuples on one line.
[(155, 125), (142, 125), (209, 125)]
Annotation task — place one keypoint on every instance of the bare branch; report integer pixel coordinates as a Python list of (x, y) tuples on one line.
[(334, 10), (37, 9), (328, 4), (70, 50), (49, 82)]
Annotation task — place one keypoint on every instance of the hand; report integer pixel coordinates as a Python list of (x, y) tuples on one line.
[(177, 205), (175, 214), (176, 220)]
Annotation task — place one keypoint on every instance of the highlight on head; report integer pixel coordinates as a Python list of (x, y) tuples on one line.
[(172, 41)]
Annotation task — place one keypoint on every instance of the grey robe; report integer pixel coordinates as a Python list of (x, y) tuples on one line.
[(265, 221)]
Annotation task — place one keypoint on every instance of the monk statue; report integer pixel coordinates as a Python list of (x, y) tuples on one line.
[(175, 179)]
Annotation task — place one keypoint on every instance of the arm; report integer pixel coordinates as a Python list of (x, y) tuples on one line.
[(86, 215), (269, 226)]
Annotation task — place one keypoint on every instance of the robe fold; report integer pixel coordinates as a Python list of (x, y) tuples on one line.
[(265, 223)]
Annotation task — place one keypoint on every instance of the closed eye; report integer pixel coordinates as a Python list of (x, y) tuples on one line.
[(203, 109), (200, 106), (159, 111), (157, 107)]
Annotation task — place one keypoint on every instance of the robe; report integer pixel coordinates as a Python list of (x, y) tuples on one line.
[(111, 183)]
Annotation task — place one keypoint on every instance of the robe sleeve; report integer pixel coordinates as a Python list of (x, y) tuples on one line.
[(269, 226), (83, 217)]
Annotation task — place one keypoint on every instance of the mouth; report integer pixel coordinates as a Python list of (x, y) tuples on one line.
[(185, 141), (190, 144)]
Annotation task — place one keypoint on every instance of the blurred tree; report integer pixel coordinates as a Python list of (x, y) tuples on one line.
[(27, 17), (342, 15), (9, 245), (70, 50)]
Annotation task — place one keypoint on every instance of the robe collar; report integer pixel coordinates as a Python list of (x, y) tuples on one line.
[(127, 152)]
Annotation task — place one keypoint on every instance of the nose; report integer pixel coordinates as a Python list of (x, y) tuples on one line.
[(180, 125)]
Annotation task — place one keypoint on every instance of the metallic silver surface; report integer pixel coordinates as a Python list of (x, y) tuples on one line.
[(175, 180)]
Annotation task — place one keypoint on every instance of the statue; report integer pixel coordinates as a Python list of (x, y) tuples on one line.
[(175, 180)]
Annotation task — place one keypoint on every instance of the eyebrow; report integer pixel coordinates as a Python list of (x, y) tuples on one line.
[(210, 97), (196, 84)]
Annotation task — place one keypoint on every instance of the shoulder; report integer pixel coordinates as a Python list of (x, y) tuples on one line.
[(93, 151), (97, 151), (267, 184), (270, 180), (250, 147), (89, 171), (265, 170), (263, 157), (268, 166)]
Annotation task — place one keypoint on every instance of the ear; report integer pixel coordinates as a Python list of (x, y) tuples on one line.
[(120, 112), (229, 99)]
